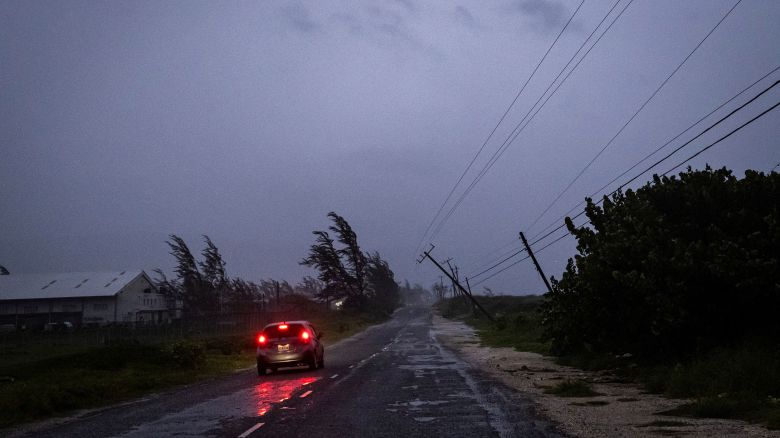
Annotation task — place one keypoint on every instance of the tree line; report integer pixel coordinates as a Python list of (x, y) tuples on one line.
[(360, 281), (203, 286)]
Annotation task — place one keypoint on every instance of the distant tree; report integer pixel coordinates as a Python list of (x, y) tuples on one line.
[(243, 296), (348, 273), (275, 290), (213, 266), (213, 269), (414, 294), (3, 271), (169, 287), (197, 293), (439, 291), (309, 286), (383, 292), (324, 257), (354, 261)]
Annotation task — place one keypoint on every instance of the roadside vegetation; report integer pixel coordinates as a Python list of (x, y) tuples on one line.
[(674, 285), (42, 375), (52, 375)]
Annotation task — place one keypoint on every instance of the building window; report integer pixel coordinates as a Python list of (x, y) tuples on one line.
[(69, 308), (100, 306), (30, 309)]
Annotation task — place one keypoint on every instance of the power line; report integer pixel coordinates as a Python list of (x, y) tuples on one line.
[(523, 259), (490, 136), (666, 157), (497, 264), (631, 119), (495, 259), (669, 142), (700, 151), (518, 129)]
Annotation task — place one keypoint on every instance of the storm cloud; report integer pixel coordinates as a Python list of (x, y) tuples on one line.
[(123, 122)]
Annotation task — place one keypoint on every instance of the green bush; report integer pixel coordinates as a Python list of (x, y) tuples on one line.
[(675, 268)]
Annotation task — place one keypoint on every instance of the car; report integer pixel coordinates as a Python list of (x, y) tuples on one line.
[(289, 344)]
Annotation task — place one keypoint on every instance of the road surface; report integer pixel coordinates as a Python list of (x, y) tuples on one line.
[(392, 380)]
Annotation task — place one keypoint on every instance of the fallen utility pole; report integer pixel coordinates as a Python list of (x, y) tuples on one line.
[(533, 257), (455, 282)]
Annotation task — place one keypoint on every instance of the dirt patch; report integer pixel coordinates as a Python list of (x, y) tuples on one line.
[(620, 410)]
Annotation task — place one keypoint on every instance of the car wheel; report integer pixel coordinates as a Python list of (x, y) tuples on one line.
[(313, 362), (260, 369), (274, 369), (322, 360)]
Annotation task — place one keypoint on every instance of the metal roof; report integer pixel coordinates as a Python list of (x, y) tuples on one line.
[(66, 285)]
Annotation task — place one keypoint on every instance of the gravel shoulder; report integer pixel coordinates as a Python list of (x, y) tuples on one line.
[(621, 409)]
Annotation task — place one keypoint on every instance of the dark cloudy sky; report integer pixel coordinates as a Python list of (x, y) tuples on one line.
[(124, 121)]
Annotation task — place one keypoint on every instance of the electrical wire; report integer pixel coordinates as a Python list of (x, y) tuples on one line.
[(702, 150), (492, 132), (518, 129), (498, 264), (631, 119), (600, 190), (521, 260), (666, 157)]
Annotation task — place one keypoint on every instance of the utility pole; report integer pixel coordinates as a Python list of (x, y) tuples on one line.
[(533, 257), (454, 273), (455, 282)]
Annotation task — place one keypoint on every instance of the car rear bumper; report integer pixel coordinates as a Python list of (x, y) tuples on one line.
[(292, 358)]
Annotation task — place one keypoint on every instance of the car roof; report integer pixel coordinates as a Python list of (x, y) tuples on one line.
[(301, 321)]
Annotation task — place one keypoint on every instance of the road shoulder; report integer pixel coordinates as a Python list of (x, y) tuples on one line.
[(621, 409)]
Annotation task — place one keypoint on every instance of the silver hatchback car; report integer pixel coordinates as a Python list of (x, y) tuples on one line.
[(288, 344)]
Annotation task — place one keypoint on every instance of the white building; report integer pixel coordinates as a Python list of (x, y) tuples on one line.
[(81, 298)]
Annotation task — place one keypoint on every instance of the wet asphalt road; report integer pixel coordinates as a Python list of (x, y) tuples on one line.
[(392, 380)]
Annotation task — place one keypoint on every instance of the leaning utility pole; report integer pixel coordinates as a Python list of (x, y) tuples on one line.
[(533, 257), (454, 273), (455, 282)]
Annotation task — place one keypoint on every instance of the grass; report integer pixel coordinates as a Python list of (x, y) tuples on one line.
[(736, 382), (104, 375), (572, 388), (517, 322), (48, 376)]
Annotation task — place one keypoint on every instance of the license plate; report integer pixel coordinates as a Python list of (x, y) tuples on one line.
[(283, 347)]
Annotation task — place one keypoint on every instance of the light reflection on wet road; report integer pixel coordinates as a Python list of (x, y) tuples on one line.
[(267, 394), (208, 417)]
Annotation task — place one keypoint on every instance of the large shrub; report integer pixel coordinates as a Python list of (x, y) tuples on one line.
[(680, 265)]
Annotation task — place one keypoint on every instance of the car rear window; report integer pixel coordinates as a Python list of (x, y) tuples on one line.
[(274, 332)]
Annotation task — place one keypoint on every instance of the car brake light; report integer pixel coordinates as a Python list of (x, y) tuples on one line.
[(305, 336), (283, 327), (261, 340)]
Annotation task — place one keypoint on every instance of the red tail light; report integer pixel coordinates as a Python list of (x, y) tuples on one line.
[(261, 340), (305, 336)]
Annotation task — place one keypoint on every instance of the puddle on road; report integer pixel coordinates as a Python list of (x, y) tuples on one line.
[(416, 404), (205, 419), (268, 393)]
